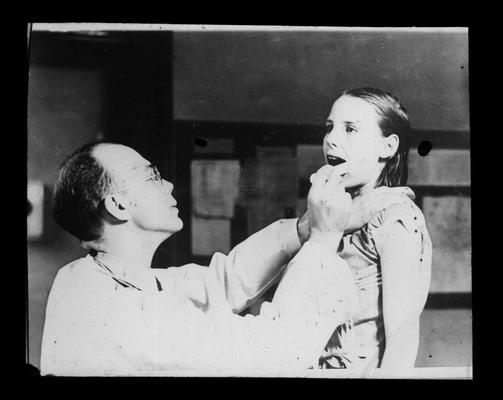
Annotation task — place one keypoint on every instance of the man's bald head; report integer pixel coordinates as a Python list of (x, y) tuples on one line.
[(118, 160)]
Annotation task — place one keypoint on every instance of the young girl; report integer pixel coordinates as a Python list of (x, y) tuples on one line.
[(390, 257)]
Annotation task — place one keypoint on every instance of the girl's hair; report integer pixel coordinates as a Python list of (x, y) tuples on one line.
[(393, 120)]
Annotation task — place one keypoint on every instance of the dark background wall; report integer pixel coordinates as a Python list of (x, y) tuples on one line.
[(64, 112), (157, 91), (80, 89), (293, 77)]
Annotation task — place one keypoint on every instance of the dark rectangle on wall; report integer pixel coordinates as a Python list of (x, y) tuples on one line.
[(449, 300), (442, 190), (304, 186)]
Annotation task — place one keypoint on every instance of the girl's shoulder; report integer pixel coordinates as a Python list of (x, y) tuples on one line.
[(405, 212), (372, 239)]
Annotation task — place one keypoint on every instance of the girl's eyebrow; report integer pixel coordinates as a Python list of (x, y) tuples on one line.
[(329, 121)]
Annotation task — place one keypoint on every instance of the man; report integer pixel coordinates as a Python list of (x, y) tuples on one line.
[(109, 313)]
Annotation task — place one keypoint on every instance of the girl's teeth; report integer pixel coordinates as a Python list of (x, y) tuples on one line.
[(334, 161)]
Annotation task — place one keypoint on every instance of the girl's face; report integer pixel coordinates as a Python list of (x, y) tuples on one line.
[(354, 136)]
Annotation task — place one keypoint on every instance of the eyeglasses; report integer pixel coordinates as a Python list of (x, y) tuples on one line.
[(156, 177)]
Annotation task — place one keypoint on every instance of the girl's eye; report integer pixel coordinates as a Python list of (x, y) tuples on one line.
[(350, 129), (328, 128)]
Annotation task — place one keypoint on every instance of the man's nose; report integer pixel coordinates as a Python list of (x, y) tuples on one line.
[(169, 185)]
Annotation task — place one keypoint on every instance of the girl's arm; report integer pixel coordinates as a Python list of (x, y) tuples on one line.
[(403, 295)]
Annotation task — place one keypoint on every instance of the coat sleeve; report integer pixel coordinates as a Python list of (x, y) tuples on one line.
[(288, 334), (246, 272)]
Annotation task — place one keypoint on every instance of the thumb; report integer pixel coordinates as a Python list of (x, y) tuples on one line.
[(333, 182), (403, 190)]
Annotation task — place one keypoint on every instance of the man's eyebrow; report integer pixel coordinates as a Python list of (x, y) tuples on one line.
[(144, 167)]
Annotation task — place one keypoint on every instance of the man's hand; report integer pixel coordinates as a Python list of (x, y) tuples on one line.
[(364, 208), (328, 205)]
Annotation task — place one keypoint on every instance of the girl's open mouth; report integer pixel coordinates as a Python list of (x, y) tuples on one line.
[(334, 160)]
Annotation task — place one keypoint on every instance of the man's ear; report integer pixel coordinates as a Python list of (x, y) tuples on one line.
[(390, 146), (116, 206)]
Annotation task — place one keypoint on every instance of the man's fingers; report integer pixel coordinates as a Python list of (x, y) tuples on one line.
[(322, 173), (347, 199), (333, 181), (341, 169), (404, 190), (321, 177), (317, 180), (325, 172), (387, 200), (380, 190), (398, 190)]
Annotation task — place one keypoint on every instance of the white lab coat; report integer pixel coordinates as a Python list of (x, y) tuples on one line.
[(96, 327)]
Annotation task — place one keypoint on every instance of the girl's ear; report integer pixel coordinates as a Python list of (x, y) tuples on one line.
[(116, 206), (390, 146)]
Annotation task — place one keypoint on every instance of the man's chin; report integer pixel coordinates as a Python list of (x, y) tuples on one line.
[(173, 227), (177, 226)]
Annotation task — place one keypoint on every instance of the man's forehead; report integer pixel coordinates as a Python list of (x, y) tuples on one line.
[(120, 158)]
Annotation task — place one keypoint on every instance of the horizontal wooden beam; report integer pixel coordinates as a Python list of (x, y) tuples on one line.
[(449, 300), (293, 134)]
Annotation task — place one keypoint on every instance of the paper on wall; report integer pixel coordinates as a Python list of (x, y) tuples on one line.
[(215, 187), (210, 235)]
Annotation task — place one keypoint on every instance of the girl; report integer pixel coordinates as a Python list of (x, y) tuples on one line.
[(390, 257)]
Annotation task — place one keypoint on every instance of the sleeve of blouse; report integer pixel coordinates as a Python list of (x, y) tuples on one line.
[(410, 217)]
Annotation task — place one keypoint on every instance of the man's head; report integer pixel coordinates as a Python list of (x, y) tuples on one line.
[(106, 183)]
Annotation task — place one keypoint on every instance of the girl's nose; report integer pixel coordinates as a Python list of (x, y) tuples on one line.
[(334, 137)]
